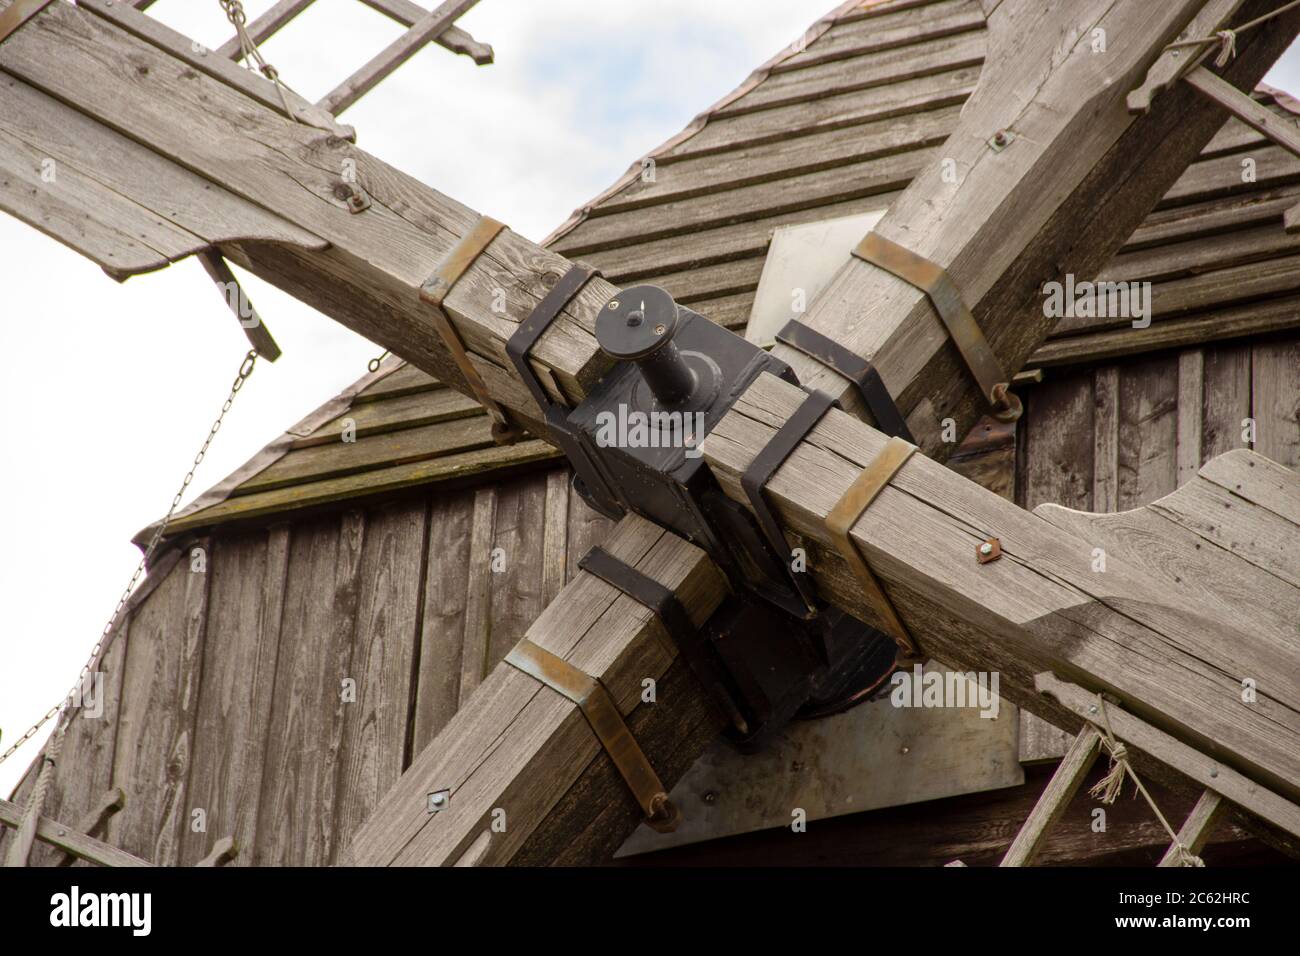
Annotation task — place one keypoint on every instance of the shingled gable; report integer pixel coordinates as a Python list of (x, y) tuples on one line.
[(835, 124)]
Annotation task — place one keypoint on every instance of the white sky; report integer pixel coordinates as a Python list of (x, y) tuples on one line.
[(108, 389)]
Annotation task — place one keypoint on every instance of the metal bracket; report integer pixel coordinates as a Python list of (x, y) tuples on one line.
[(18, 13), (607, 722), (851, 506), (435, 290), (760, 471), (935, 282), (555, 415), (853, 367)]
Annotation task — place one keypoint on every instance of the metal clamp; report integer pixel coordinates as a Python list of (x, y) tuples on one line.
[(18, 13), (611, 730), (853, 367), (760, 471), (434, 291), (854, 503), (934, 281)]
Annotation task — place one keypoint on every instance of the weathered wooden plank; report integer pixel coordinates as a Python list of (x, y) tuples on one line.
[(1116, 630), (1051, 805), (1213, 216), (1237, 525), (1148, 424), (555, 535), (1105, 454), (372, 749), (453, 38), (450, 468), (1275, 400), (295, 820), (1059, 443), (1263, 167), (1258, 480), (265, 26), (517, 746), (405, 380), (1196, 829), (887, 30), (1244, 108), (410, 411), (477, 636), (383, 63), (791, 156), (516, 564), (1191, 406), (155, 723), (248, 581), (68, 840), (339, 457)]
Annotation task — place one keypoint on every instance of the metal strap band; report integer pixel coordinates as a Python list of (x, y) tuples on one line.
[(538, 321), (760, 471), (966, 334), (18, 13), (856, 500), (644, 590), (435, 291), (611, 730), (853, 367)]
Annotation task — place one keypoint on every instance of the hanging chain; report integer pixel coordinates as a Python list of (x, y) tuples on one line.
[(239, 20), (67, 704)]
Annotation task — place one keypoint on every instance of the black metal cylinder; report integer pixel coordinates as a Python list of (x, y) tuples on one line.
[(638, 326)]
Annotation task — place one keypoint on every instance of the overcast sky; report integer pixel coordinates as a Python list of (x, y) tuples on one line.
[(109, 389)]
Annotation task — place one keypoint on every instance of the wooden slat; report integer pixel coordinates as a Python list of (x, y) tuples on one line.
[(453, 38), (442, 626), (372, 748), (409, 411), (475, 641), (1244, 108), (69, 841), (516, 586), (265, 26), (1191, 406), (394, 55), (1275, 385), (1051, 805), (403, 381), (300, 784), (1196, 829), (893, 29), (555, 535), (1148, 423), (235, 699)]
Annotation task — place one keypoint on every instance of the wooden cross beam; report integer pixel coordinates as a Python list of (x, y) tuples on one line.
[(336, 227)]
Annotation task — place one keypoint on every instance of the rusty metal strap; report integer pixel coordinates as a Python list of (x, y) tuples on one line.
[(934, 281), (889, 419), (18, 13), (611, 730), (856, 500), (435, 291)]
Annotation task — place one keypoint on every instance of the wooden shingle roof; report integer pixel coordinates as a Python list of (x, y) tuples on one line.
[(836, 128)]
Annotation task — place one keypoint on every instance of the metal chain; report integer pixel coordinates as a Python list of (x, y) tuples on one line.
[(239, 20), (245, 370)]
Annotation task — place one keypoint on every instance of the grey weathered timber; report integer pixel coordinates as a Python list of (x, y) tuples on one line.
[(1196, 829), (1078, 175), (512, 752), (1116, 630), (394, 55), (453, 38), (69, 841), (1056, 797)]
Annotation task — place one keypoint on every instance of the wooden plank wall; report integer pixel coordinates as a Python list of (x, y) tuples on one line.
[(227, 687), (1115, 437)]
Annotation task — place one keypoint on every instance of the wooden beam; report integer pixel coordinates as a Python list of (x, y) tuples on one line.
[(1177, 656), (1196, 829), (517, 753), (1240, 105), (1075, 177), (1056, 797), (69, 840), (394, 55)]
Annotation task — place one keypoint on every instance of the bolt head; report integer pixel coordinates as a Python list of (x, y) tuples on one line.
[(986, 548)]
